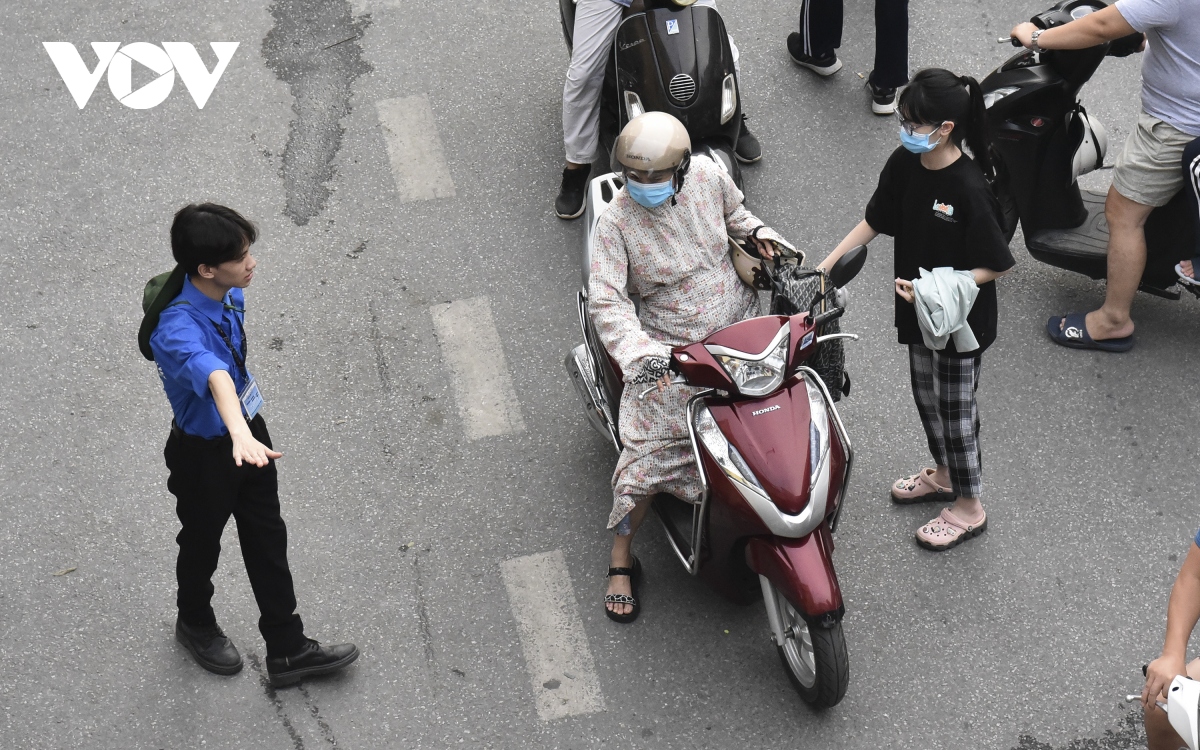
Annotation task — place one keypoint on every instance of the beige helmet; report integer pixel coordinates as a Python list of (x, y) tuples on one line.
[(753, 269), (653, 142)]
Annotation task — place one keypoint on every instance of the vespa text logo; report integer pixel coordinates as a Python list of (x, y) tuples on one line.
[(164, 61)]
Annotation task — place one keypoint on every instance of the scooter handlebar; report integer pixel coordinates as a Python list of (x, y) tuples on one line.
[(678, 379), (827, 316)]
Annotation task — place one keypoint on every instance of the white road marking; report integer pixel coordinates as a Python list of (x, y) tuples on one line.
[(487, 400), (556, 648), (418, 161)]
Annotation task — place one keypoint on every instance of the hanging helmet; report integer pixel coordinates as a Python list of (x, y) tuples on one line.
[(653, 142), (1090, 138), (752, 268)]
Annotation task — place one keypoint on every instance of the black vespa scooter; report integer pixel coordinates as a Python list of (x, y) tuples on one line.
[(1038, 126), (671, 56)]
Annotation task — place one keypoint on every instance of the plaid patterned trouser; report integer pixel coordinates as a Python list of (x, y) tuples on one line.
[(944, 388)]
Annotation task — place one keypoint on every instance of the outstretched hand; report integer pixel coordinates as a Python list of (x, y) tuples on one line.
[(247, 448)]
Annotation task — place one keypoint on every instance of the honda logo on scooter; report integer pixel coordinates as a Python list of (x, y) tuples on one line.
[(164, 61)]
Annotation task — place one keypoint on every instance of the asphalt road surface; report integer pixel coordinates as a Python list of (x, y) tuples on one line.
[(401, 160)]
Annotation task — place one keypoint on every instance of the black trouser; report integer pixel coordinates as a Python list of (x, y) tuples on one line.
[(209, 487), (1191, 173), (821, 29)]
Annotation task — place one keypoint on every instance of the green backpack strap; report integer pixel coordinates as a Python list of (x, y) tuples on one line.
[(156, 297)]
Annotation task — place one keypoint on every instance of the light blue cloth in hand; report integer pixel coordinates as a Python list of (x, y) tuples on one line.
[(943, 300)]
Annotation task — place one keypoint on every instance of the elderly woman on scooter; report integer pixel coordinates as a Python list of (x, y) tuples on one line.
[(665, 238)]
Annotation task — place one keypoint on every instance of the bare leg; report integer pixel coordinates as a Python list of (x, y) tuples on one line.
[(621, 557), (1126, 261), (969, 509)]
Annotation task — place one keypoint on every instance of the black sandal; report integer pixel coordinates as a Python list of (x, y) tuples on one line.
[(634, 574)]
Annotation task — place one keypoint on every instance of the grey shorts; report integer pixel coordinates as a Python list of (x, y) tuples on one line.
[(1149, 170)]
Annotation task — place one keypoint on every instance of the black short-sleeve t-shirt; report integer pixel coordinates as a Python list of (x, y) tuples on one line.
[(941, 217)]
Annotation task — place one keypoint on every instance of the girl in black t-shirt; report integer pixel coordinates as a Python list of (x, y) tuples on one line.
[(937, 204)]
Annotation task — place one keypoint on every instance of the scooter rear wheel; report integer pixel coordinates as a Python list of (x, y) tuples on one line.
[(815, 658)]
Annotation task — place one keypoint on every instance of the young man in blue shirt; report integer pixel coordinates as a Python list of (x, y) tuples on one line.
[(219, 453)]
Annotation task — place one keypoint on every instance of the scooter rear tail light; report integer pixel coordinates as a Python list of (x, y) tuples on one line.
[(728, 98), (633, 105)]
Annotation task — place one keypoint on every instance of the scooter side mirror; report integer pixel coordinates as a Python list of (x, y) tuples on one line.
[(848, 266)]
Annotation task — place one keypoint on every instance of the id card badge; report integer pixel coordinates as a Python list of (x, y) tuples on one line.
[(252, 400)]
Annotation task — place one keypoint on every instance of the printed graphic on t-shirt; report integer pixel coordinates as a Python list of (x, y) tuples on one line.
[(944, 211)]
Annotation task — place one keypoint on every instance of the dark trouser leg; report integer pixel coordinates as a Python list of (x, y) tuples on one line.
[(263, 536), (204, 484), (925, 393), (821, 26), (1191, 173), (891, 44), (958, 380)]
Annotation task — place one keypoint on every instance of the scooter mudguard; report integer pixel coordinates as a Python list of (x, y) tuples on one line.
[(802, 570)]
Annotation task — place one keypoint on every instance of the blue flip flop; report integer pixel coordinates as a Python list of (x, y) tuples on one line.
[(1073, 335)]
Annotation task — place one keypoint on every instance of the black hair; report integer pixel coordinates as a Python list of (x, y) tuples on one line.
[(209, 234), (935, 95)]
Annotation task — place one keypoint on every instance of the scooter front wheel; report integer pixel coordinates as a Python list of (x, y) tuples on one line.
[(815, 658)]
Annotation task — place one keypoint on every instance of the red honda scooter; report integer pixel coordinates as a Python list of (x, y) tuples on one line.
[(774, 461)]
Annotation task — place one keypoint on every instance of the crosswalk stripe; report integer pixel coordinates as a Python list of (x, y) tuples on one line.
[(414, 149), (470, 344), (556, 649)]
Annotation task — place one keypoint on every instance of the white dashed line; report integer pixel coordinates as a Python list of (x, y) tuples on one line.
[(413, 146), (487, 400), (556, 648)]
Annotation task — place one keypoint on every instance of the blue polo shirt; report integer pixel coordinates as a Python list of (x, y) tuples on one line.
[(188, 347)]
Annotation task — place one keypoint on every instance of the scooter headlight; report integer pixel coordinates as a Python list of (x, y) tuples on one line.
[(756, 374), (725, 454), (992, 97), (633, 105), (728, 98)]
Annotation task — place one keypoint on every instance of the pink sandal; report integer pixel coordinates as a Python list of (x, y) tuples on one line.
[(920, 488), (947, 531)]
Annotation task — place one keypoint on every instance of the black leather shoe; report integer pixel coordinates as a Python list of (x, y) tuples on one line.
[(209, 647), (311, 660), (748, 149), (569, 203)]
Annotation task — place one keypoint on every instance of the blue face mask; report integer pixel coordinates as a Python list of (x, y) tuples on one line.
[(653, 195), (918, 143)]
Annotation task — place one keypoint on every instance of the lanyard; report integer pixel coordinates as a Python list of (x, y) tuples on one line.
[(240, 359)]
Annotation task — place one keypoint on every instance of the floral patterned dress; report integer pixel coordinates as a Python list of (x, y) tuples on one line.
[(677, 258)]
